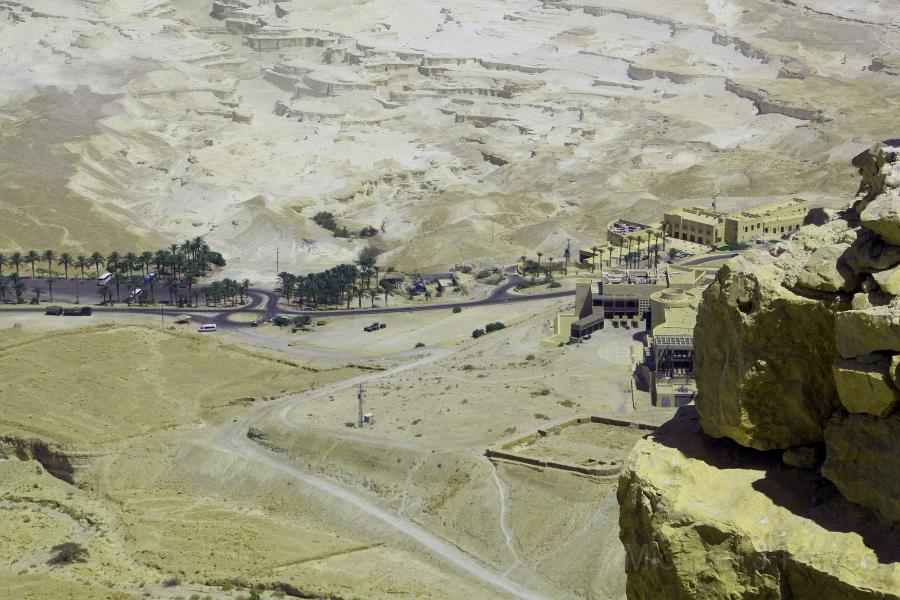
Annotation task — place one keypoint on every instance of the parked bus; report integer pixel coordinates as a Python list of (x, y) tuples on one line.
[(104, 279), (207, 327)]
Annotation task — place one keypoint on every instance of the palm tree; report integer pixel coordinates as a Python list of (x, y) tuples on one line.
[(4, 284), (65, 259), (172, 285), (15, 260), (2, 262), (32, 257), (130, 262), (601, 257), (539, 255), (81, 263), (550, 269), (523, 258), (97, 260), (37, 294), (19, 289), (190, 279), (49, 256), (146, 260), (112, 261), (594, 259), (50, 280), (118, 279)]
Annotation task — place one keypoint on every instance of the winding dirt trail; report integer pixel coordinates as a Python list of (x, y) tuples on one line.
[(234, 440)]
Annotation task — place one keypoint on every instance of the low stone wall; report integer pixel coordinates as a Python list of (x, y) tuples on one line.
[(502, 451)]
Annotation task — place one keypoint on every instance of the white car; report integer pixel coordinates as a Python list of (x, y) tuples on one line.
[(207, 327)]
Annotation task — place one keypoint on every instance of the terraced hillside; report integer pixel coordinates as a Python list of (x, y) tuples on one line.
[(459, 129)]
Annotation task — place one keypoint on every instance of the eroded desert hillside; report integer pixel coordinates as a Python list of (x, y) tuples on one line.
[(461, 130)]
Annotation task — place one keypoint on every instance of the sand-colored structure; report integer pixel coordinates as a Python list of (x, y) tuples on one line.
[(707, 226)]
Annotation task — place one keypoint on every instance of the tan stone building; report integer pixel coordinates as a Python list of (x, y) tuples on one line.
[(698, 224), (704, 226)]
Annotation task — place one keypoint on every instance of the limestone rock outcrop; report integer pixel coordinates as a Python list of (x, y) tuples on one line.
[(826, 270), (705, 519), (865, 386), (752, 388), (797, 358), (863, 461)]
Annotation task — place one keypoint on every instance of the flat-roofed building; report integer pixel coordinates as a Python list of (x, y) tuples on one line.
[(704, 226), (769, 220), (627, 294), (698, 224), (669, 357)]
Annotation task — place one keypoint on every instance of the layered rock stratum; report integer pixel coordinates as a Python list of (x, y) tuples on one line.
[(784, 480), (460, 130)]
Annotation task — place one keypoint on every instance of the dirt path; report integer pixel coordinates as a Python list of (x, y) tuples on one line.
[(234, 441)]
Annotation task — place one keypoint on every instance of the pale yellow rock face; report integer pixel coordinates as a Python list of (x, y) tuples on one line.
[(761, 384), (861, 332), (888, 281), (865, 388), (882, 216), (863, 462), (825, 271), (704, 519)]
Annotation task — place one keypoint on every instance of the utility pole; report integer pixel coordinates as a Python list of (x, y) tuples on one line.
[(161, 318), (360, 396), (277, 271)]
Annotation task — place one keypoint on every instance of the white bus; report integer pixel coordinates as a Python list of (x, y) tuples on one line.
[(207, 327), (104, 279)]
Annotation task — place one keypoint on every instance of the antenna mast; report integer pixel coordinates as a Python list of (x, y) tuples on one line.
[(360, 395)]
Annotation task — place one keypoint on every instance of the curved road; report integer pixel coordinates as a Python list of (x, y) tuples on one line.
[(265, 304)]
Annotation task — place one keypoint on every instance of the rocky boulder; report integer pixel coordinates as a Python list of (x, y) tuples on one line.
[(704, 519), (763, 357), (864, 463), (862, 332), (826, 271), (879, 202), (865, 386)]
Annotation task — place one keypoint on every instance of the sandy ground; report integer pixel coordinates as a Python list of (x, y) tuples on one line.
[(132, 415)]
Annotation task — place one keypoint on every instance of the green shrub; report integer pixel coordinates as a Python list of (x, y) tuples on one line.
[(420, 345), (325, 219), (282, 321), (555, 284), (478, 333), (457, 310), (368, 231), (495, 326)]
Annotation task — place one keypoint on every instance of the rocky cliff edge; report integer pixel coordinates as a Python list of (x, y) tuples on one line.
[(783, 481)]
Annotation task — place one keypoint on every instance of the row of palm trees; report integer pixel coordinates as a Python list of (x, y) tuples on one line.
[(180, 265), (334, 286), (191, 256), (630, 255)]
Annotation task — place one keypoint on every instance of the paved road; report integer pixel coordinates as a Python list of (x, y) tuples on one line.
[(708, 259), (265, 304)]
